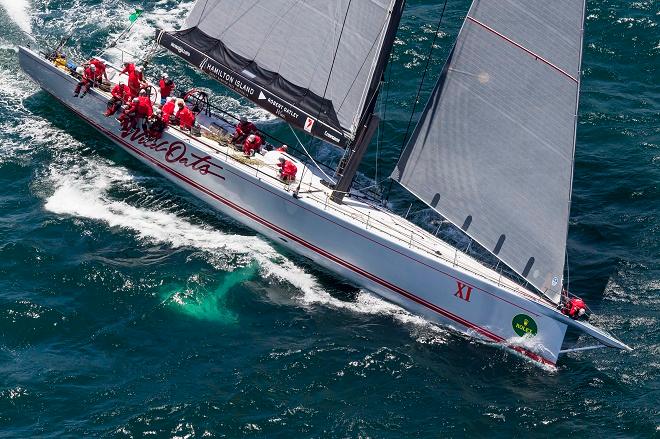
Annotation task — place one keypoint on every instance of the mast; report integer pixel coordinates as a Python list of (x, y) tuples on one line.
[(369, 123)]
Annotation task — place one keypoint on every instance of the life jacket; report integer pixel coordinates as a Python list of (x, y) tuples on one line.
[(575, 305)]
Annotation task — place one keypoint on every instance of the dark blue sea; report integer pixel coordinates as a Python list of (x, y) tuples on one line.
[(130, 309)]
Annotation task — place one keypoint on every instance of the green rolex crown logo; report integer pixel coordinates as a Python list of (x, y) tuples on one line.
[(524, 325)]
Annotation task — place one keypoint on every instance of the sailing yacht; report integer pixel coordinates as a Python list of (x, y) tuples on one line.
[(492, 152)]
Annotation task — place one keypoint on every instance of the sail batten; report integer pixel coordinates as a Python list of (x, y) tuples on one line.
[(311, 63), (493, 150)]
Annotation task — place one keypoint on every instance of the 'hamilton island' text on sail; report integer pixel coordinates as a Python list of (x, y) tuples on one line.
[(226, 77)]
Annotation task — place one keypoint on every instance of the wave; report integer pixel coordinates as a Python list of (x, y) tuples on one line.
[(83, 191), (18, 12)]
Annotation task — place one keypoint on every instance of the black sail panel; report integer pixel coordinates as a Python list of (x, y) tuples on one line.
[(295, 105), (313, 63)]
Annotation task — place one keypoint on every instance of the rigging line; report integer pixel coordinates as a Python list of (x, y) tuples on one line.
[(381, 129), (334, 57), (248, 9), (280, 18), (419, 89), (202, 14), (364, 61), (330, 179)]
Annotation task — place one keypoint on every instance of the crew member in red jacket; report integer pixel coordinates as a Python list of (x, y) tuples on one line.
[(144, 110), (252, 144), (88, 77), (185, 116), (100, 70), (135, 80), (168, 110), (575, 308), (129, 116), (129, 68), (166, 86), (243, 129), (287, 169), (121, 94), (156, 125)]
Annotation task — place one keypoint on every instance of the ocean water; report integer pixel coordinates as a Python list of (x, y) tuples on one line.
[(130, 309)]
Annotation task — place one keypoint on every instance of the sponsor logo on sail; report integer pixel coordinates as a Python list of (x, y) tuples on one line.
[(309, 124), (524, 325), (330, 136), (180, 50)]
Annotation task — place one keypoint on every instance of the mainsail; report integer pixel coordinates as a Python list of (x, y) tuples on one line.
[(314, 63), (493, 150)]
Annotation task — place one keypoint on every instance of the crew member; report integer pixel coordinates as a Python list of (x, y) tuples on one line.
[(168, 110), (243, 129), (282, 148), (252, 144), (575, 308), (185, 116), (287, 169), (145, 109), (156, 125), (129, 117), (129, 68), (121, 94), (88, 77), (166, 86), (100, 70), (135, 81)]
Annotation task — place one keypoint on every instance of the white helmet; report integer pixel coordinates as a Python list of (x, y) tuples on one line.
[(251, 138), (165, 75)]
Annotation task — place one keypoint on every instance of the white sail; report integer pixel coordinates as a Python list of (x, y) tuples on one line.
[(493, 151)]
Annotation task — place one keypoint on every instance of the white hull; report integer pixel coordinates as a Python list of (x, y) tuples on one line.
[(387, 261)]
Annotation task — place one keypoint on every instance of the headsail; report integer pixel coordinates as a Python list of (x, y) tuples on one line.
[(493, 151), (314, 63)]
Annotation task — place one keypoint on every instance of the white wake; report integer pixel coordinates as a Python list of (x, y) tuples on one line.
[(82, 191), (18, 12)]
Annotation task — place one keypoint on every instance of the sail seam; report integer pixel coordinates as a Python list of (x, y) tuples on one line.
[(520, 46)]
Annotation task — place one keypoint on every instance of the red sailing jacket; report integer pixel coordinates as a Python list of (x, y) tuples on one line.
[(144, 107), (165, 90), (168, 110), (121, 92), (289, 170), (186, 117)]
